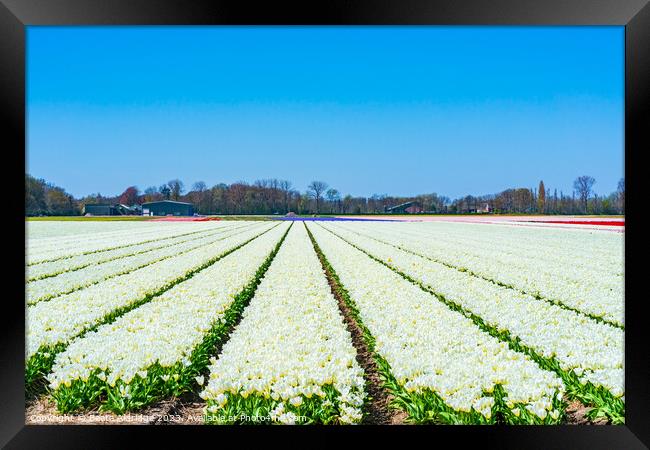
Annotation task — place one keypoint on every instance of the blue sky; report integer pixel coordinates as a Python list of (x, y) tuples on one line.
[(385, 110)]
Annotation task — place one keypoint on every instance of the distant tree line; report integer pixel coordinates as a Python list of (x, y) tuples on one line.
[(273, 196), (541, 200), (45, 199)]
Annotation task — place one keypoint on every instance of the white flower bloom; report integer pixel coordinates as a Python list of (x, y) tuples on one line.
[(292, 345), (172, 324), (571, 338), (153, 242), (64, 240), (62, 318), (68, 281), (221, 399), (556, 264), (287, 418), (291, 340), (429, 346)]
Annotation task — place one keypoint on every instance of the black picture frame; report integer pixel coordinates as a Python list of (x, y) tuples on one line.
[(15, 15)]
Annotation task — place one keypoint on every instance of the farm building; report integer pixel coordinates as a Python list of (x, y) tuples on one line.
[(100, 209), (167, 208), (405, 208), (104, 209), (484, 209)]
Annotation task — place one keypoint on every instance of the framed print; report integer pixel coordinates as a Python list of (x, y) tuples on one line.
[(367, 219)]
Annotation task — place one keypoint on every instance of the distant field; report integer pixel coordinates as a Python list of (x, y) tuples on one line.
[(268, 217), (128, 218), (88, 219), (609, 223)]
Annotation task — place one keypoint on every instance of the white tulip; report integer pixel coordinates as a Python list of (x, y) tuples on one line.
[(575, 340), (61, 319), (291, 339), (430, 347), (169, 327)]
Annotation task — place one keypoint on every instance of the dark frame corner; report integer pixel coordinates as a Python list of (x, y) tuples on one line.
[(15, 15)]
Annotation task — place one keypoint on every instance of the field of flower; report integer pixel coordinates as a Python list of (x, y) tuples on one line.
[(329, 322)]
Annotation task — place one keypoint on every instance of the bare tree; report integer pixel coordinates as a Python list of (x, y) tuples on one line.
[(165, 191), (198, 195), (199, 186), (237, 195), (274, 185), (176, 188), (285, 187), (151, 194), (583, 186), (333, 197), (315, 190)]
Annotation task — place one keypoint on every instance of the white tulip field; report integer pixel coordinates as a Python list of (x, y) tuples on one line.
[(316, 321)]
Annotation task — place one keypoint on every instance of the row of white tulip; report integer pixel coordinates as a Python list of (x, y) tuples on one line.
[(45, 244), (574, 340), (52, 268), (58, 249), (290, 348), (63, 318), (554, 253), (589, 291), (166, 330), (579, 248), (573, 247), (431, 348), (48, 288), (40, 232)]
